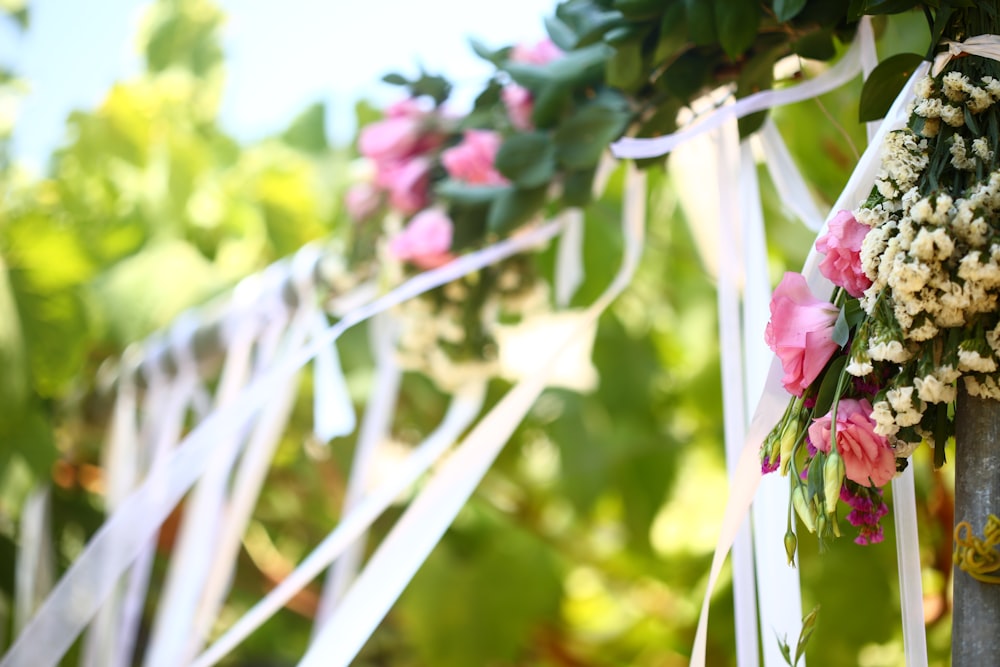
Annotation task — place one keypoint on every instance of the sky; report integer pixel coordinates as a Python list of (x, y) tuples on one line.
[(280, 57)]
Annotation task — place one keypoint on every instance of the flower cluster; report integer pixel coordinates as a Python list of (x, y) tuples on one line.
[(430, 181), (875, 370)]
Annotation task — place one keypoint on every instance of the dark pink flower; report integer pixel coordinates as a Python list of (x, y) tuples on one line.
[(472, 161), (426, 240), (842, 247), (869, 460), (407, 183), (800, 332)]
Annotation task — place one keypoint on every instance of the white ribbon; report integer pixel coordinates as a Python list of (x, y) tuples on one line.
[(375, 428), (465, 405), (987, 46), (773, 400), (846, 69), (426, 519), (91, 577)]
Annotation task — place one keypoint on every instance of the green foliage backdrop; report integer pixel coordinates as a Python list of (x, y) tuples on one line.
[(589, 542)]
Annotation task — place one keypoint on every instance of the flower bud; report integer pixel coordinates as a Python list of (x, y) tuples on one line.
[(833, 479), (788, 437), (802, 507), (791, 542)]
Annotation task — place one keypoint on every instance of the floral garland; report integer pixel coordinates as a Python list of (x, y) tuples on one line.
[(874, 371)]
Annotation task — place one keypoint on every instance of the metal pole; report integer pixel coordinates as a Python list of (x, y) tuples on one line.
[(975, 636)]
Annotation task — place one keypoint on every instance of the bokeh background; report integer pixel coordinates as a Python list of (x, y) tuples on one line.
[(154, 153)]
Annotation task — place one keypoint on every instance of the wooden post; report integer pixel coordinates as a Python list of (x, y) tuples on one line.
[(975, 639)]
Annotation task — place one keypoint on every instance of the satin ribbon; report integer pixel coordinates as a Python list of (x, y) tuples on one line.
[(986, 46)]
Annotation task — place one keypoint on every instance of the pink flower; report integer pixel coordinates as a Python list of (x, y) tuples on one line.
[(472, 160), (361, 201), (520, 105), (842, 247), (538, 53), (868, 458), (407, 130), (392, 138), (800, 332), (407, 183), (425, 241)]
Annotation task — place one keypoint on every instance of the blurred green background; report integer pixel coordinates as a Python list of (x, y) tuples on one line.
[(589, 542)]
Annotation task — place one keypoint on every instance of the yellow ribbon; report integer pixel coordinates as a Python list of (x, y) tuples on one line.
[(978, 557)]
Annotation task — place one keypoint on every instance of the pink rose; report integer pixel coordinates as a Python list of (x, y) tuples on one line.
[(520, 105), (868, 458), (538, 53), (407, 183), (361, 201), (407, 130), (393, 138), (842, 247), (472, 160), (800, 332), (425, 241)]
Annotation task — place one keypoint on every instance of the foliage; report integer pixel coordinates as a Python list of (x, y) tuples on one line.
[(589, 541)]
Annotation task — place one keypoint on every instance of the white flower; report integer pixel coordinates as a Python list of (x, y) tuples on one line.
[(954, 85), (954, 116), (885, 420), (904, 449), (892, 350), (932, 245), (859, 367), (924, 88), (979, 101), (932, 390), (969, 360), (981, 148)]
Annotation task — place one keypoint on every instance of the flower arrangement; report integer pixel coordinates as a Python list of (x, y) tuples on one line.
[(875, 371)]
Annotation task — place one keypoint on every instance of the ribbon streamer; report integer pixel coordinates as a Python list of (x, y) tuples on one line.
[(846, 69), (426, 519), (115, 546), (773, 400), (987, 46)]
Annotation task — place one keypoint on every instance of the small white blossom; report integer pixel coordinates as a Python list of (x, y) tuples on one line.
[(932, 390)]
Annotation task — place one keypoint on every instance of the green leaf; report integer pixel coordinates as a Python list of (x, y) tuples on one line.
[(514, 207), (874, 7), (13, 357), (785, 10), (884, 84), (588, 20), (854, 313), (464, 193), (579, 67), (828, 388), (527, 159), (841, 330), (639, 9), (578, 187), (625, 69), (551, 102), (673, 33), (560, 33), (582, 138), (816, 45), (687, 75), (394, 79), (436, 87), (701, 22), (308, 131), (496, 57), (736, 21)]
